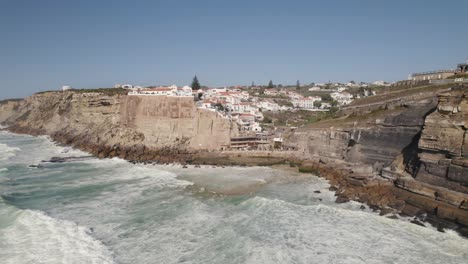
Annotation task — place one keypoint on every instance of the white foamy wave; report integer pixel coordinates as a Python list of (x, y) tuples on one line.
[(7, 152), (328, 234), (3, 169), (28, 236), (119, 169)]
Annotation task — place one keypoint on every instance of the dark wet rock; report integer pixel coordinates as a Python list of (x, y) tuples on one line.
[(416, 222), (341, 199), (385, 211), (57, 159), (393, 216), (362, 207), (317, 192), (333, 189), (184, 167)]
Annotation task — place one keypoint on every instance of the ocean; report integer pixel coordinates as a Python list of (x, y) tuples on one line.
[(88, 210)]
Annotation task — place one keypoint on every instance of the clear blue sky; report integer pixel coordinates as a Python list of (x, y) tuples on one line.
[(46, 44)]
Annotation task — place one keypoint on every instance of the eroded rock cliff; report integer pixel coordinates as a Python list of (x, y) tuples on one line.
[(444, 145), (411, 156), (132, 127)]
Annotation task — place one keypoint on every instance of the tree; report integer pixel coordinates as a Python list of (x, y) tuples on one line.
[(327, 98), (298, 85), (317, 104), (219, 106), (195, 83), (253, 84), (267, 119), (270, 84)]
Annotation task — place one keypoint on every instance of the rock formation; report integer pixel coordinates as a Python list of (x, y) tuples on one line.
[(413, 156), (408, 153), (132, 127), (444, 144)]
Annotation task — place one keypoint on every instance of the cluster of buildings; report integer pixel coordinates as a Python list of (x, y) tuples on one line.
[(172, 90), (235, 104), (343, 98)]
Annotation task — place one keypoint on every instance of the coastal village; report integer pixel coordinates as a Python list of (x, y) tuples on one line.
[(264, 113), (250, 106)]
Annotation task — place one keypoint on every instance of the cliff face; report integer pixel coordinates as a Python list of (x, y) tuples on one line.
[(376, 143), (409, 154), (133, 127), (443, 145), (418, 150)]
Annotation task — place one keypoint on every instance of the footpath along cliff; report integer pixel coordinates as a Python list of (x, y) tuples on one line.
[(406, 152)]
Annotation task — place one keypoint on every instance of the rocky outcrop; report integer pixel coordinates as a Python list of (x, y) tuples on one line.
[(443, 145), (376, 143), (412, 158), (133, 127)]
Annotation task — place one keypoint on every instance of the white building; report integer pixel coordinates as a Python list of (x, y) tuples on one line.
[(294, 95), (239, 108), (268, 106), (306, 102), (315, 88), (271, 91), (66, 88), (184, 91), (343, 98), (168, 91), (341, 89), (256, 127), (325, 105), (350, 84)]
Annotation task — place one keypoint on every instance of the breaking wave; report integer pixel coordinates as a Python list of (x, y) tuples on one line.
[(7, 152), (28, 236)]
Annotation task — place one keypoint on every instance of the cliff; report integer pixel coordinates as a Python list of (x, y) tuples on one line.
[(410, 154), (443, 147), (405, 152), (132, 127)]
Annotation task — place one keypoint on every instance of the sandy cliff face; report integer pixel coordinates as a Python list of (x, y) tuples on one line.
[(133, 127), (172, 120)]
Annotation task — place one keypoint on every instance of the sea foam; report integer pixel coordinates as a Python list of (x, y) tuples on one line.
[(28, 236), (7, 152)]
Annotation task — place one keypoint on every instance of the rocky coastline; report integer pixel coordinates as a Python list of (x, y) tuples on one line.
[(412, 160)]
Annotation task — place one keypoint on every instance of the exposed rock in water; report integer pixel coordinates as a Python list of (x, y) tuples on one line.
[(342, 199), (416, 222)]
